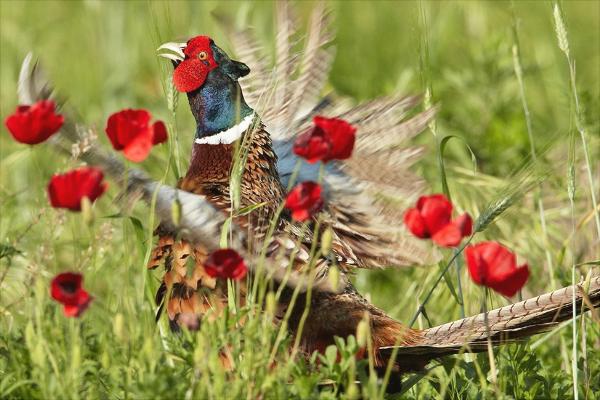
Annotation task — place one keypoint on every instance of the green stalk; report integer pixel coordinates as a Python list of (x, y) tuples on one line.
[(459, 286), (421, 309), (490, 349), (516, 50), (315, 254), (563, 44), (438, 280), (574, 326), (424, 65)]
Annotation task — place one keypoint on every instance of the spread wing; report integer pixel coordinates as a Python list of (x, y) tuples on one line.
[(376, 183), (200, 223)]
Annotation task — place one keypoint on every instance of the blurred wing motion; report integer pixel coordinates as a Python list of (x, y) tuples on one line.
[(200, 222), (508, 324), (376, 183)]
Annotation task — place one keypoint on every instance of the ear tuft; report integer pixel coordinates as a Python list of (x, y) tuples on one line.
[(236, 69), (242, 69)]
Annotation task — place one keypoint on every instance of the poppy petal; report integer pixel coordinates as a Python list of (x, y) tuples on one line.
[(313, 145), (436, 212), (512, 282), (34, 124), (130, 131), (464, 224), (341, 135), (138, 149), (448, 236), (304, 200), (475, 264), (415, 223), (494, 266), (225, 263), (67, 190), (160, 133)]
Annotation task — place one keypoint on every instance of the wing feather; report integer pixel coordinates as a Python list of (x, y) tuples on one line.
[(376, 183)]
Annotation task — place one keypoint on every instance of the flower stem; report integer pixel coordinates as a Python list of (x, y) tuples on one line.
[(459, 286), (517, 66), (489, 340), (438, 280)]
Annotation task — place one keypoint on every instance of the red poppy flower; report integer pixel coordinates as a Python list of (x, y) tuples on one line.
[(130, 130), (431, 218), (66, 289), (493, 265), (226, 263), (329, 139), (34, 124), (67, 190), (304, 200)]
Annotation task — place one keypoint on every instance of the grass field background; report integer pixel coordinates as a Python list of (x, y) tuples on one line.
[(101, 55)]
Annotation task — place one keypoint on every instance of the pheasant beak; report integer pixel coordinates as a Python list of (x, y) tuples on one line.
[(173, 51)]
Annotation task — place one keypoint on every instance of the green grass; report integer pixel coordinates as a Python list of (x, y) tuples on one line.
[(102, 56)]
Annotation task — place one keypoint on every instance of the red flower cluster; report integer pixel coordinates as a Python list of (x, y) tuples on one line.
[(329, 139), (67, 190), (66, 289), (227, 264), (431, 218), (493, 265), (130, 130), (304, 200), (34, 124), (490, 264)]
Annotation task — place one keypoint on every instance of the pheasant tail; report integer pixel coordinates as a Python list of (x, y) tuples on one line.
[(504, 325)]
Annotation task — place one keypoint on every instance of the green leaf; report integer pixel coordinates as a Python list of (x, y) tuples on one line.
[(331, 354), (593, 262), (442, 147), (225, 233), (250, 208), (448, 281), (7, 251), (138, 228)]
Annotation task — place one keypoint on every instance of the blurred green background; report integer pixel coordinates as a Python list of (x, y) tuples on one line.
[(101, 56)]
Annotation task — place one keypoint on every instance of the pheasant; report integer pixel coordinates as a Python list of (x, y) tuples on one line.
[(336, 308), (225, 121)]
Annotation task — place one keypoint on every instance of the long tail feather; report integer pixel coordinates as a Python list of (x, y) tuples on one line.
[(506, 324)]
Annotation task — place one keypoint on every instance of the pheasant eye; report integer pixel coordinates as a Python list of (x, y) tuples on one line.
[(202, 55)]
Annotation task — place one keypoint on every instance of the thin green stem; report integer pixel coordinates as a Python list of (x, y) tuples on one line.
[(421, 309), (438, 280), (563, 44), (517, 65), (459, 286), (574, 326), (490, 349), (424, 65)]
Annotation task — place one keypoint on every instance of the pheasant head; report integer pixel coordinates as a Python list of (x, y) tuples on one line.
[(210, 79)]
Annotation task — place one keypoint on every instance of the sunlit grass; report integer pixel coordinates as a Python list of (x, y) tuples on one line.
[(102, 56)]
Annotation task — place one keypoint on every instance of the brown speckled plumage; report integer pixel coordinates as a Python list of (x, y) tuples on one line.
[(185, 293)]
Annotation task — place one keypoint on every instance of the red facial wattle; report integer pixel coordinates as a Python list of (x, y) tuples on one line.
[(191, 73)]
